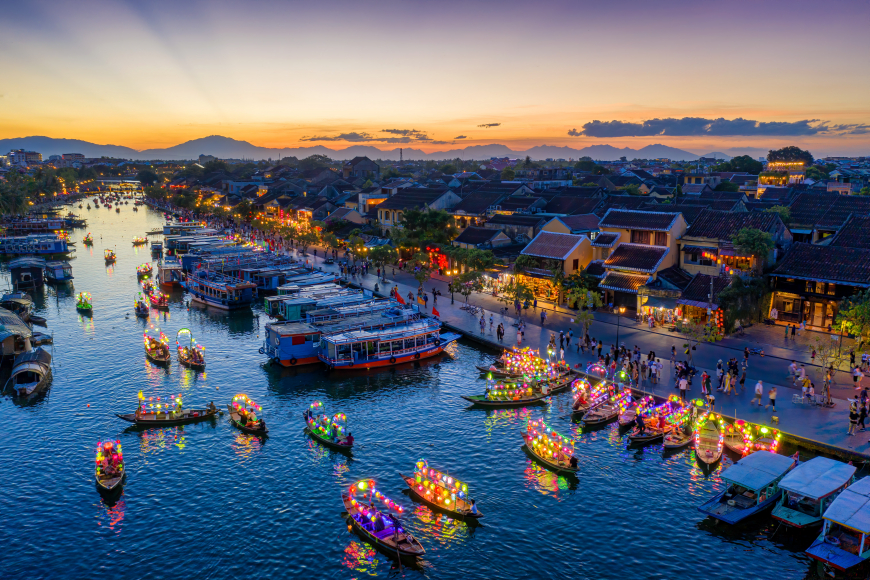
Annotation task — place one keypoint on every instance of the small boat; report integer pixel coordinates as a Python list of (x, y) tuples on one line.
[(381, 529), (753, 487), (156, 348), (504, 396), (190, 354), (585, 396), (441, 492), (842, 544), (139, 240), (31, 372), (679, 438), (709, 441), (809, 489), (118, 210), (141, 306), (88, 240), (659, 421), (109, 471), (735, 440), (497, 373), (144, 270), (57, 272), (331, 432), (549, 448), (629, 414), (243, 416), (608, 409), (109, 256), (162, 416), (158, 299), (83, 303)]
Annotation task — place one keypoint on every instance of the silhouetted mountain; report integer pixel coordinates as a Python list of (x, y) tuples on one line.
[(51, 146)]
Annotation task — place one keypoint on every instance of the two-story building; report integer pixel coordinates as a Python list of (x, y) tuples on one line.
[(568, 253), (361, 168), (391, 210), (481, 238)]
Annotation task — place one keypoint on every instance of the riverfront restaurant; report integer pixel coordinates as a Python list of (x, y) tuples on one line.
[(811, 282), (567, 252)]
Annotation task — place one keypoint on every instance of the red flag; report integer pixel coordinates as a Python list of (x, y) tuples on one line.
[(399, 298), (435, 311)]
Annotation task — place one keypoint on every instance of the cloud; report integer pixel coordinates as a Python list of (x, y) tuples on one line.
[(698, 126), (403, 136), (461, 137), (353, 137), (488, 125), (853, 129)]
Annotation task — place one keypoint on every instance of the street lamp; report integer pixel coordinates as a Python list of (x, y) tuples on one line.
[(619, 311)]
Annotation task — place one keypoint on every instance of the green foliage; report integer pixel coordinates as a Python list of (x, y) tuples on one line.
[(864, 191), (741, 164), (747, 300), (215, 166), (816, 173), (854, 315), (315, 162), (585, 164), (632, 189), (507, 174), (783, 211), (468, 282), (13, 194), (422, 267), (147, 177), (329, 240), (756, 243), (367, 184), (790, 153), (524, 262), (515, 291), (245, 210), (422, 227), (448, 169), (382, 255), (727, 186), (305, 239)]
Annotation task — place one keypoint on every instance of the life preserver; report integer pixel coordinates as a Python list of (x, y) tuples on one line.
[(392, 360), (437, 342), (262, 350), (417, 355), (350, 364), (293, 361)]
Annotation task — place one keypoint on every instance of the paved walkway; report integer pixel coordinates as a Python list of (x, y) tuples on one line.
[(827, 427)]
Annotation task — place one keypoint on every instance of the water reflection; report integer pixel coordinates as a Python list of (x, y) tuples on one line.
[(361, 557), (546, 482), (439, 527), (153, 441), (111, 513), (247, 446)]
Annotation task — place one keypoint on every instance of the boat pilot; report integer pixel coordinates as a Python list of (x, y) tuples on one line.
[(473, 509)]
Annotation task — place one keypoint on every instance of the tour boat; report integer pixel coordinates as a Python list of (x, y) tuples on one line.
[(109, 471), (809, 489), (88, 239), (843, 543), (735, 439), (83, 303), (380, 528), (156, 348), (753, 487), (109, 256), (58, 272), (190, 354), (139, 240), (441, 492), (332, 432), (27, 272), (221, 291), (659, 421), (42, 245), (549, 448), (144, 270), (243, 415), (709, 441), (158, 299), (365, 349), (31, 372)]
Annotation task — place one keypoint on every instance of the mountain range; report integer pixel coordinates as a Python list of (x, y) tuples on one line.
[(227, 148)]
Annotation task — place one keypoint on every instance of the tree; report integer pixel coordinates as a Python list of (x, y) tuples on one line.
[(507, 174), (468, 282), (828, 354), (864, 191), (423, 268), (790, 153), (528, 162), (315, 162), (854, 316), (355, 244), (329, 240), (381, 256), (524, 262), (245, 210), (584, 300), (215, 166), (756, 243), (784, 212), (585, 164), (727, 186), (147, 177), (432, 226), (632, 189), (816, 173), (741, 164), (367, 184), (744, 299), (448, 169), (306, 239), (13, 193), (515, 291)]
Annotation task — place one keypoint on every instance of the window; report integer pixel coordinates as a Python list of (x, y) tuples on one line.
[(811, 286), (832, 289), (576, 263), (639, 237), (661, 238)]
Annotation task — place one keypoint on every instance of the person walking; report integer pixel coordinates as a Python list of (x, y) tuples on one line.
[(482, 324), (857, 378), (853, 419), (793, 330), (720, 374), (673, 356), (562, 354), (490, 323), (543, 315), (786, 332), (862, 416), (772, 397), (684, 385), (759, 390), (743, 381), (535, 306)]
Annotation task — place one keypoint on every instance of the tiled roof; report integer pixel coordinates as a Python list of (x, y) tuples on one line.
[(568, 205), (855, 233), (722, 195), (659, 221), (552, 245), (782, 193), (695, 188), (596, 269), (623, 282), (474, 236), (518, 203), (412, 198), (675, 276), (827, 264), (724, 225), (636, 257), (842, 208), (477, 203), (581, 222), (517, 220), (623, 202), (578, 191), (339, 214), (698, 290), (605, 239)]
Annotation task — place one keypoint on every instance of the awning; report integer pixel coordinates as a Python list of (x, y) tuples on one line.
[(697, 249), (704, 305), (661, 302)]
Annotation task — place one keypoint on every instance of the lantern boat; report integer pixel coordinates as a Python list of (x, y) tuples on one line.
[(141, 306), (160, 413), (156, 348), (138, 241), (83, 303), (144, 270), (110, 256), (607, 410), (331, 432), (809, 489), (753, 487), (441, 492), (659, 421), (381, 529), (109, 471), (497, 372), (629, 414), (709, 441), (540, 440), (243, 416), (842, 544), (505, 396), (88, 240), (735, 440), (158, 299), (585, 396), (191, 354)]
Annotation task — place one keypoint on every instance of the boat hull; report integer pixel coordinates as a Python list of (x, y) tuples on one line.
[(392, 361), (148, 421), (418, 497), (328, 443), (414, 550), (834, 556), (554, 467), (737, 515), (264, 432), (481, 402)]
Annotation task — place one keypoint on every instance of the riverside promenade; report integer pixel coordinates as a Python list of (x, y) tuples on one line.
[(807, 425)]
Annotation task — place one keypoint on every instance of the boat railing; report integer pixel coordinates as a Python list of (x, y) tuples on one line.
[(363, 355)]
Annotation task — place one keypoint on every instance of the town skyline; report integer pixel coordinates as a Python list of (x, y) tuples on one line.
[(155, 75)]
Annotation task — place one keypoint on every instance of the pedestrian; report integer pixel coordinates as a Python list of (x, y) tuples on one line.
[(792, 371), (727, 383), (643, 370), (862, 416), (673, 356), (599, 349), (743, 381), (561, 339), (434, 298), (857, 377), (759, 390), (535, 307), (772, 396), (426, 301), (490, 322), (720, 374), (853, 419), (786, 332), (793, 330), (482, 324), (543, 316), (684, 385), (562, 353), (813, 356)]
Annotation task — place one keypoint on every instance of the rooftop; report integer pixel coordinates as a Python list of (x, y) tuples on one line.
[(623, 282), (553, 245), (605, 239), (724, 225), (698, 291), (836, 264), (474, 236), (636, 257), (659, 221)]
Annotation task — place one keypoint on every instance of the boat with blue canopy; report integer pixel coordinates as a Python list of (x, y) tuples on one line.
[(753, 487), (844, 543), (810, 488)]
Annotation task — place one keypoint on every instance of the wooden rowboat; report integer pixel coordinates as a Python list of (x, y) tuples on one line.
[(328, 442), (708, 442), (187, 361), (500, 374), (482, 401), (108, 483), (158, 356), (461, 512), (555, 467), (651, 435), (169, 419), (235, 419), (676, 439), (601, 414), (393, 541), (734, 442)]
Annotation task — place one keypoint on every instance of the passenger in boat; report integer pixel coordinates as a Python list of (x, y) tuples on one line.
[(252, 423), (641, 425), (348, 440), (662, 422), (212, 408), (473, 508), (573, 462), (378, 523), (580, 400)]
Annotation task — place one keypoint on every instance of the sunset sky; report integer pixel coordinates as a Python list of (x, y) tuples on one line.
[(440, 75)]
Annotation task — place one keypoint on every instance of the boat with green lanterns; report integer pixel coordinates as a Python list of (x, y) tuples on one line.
[(88, 240), (141, 306), (507, 395), (190, 354), (109, 471), (549, 448), (684, 435), (608, 409), (381, 528), (332, 432), (585, 396), (109, 255), (442, 492), (156, 346), (709, 440), (155, 412), (83, 303), (139, 241), (243, 415), (658, 421), (144, 270)]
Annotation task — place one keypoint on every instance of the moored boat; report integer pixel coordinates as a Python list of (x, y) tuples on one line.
[(243, 415), (83, 303), (549, 448), (654, 423), (842, 544), (109, 471), (442, 492), (709, 441), (383, 530), (508, 395), (31, 372), (608, 409), (156, 348), (331, 432), (190, 354), (629, 413), (735, 438), (809, 489), (753, 487)]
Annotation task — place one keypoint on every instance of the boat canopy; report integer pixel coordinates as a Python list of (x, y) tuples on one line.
[(12, 325), (37, 355), (412, 329), (758, 470), (852, 507), (818, 477)]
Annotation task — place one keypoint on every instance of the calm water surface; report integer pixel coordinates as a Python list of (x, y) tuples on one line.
[(206, 501)]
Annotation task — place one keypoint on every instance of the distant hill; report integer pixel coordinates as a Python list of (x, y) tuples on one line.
[(225, 147), (717, 155)]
